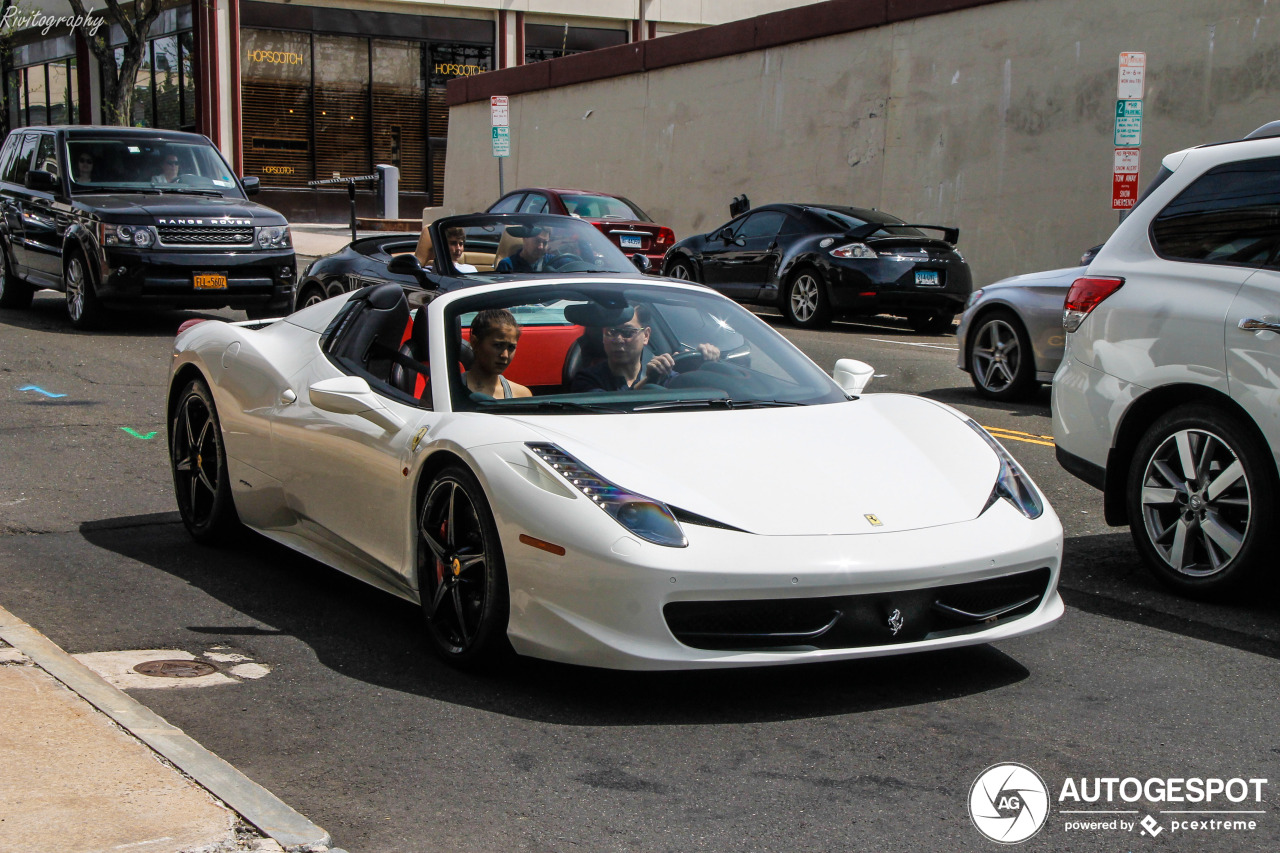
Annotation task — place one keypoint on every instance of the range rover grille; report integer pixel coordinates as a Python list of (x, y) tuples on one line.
[(188, 235)]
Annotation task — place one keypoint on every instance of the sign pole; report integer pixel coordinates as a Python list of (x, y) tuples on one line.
[(1130, 87)]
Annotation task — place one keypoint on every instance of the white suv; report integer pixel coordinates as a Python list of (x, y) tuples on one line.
[(1168, 397)]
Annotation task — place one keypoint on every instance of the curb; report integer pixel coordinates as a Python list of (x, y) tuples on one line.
[(250, 800)]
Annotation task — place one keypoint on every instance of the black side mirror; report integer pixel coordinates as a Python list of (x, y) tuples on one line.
[(406, 264), (251, 184), (41, 181), (641, 262)]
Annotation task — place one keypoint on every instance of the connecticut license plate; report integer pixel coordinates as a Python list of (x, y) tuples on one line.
[(928, 278), (218, 281), (630, 241)]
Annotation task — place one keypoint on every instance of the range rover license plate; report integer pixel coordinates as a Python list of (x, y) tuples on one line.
[(630, 241), (215, 281), (928, 278)]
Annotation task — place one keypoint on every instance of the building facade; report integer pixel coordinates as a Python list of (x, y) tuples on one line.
[(293, 92)]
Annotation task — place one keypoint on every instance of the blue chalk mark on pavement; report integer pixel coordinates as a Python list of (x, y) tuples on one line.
[(40, 390)]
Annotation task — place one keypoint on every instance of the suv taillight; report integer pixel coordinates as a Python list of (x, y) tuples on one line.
[(1085, 295), (666, 237)]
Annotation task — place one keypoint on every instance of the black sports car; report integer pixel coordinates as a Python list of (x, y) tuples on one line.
[(490, 247), (815, 261)]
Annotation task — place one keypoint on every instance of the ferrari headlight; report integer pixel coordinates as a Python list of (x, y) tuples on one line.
[(855, 250), (1012, 483), (649, 519), (272, 236)]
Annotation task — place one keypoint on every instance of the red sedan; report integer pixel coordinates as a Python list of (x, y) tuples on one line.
[(620, 219)]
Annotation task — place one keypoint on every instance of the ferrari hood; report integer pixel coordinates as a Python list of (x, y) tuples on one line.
[(882, 463)]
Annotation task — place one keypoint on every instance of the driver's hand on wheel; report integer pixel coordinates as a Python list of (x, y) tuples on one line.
[(710, 352), (659, 367)]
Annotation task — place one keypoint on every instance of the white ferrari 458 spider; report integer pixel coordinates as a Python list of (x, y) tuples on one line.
[(588, 469)]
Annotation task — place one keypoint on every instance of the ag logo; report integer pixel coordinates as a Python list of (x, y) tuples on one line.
[(1009, 803)]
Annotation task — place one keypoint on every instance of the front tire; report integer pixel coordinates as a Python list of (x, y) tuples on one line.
[(462, 578), (83, 306), (310, 294), (198, 459), (805, 301), (1201, 499), (14, 292), (682, 271), (1001, 363)]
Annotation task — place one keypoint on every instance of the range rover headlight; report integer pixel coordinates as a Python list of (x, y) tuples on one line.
[(649, 519), (1012, 483), (126, 235), (272, 236)]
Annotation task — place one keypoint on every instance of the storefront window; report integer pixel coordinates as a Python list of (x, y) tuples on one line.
[(399, 138), (276, 106), (547, 41), (186, 69), (164, 52), (37, 96), (342, 106)]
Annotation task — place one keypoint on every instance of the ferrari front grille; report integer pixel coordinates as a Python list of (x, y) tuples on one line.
[(856, 621)]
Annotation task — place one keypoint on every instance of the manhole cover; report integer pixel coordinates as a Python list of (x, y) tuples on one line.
[(175, 668)]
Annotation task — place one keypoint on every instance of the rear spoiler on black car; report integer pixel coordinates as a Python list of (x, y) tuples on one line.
[(950, 235)]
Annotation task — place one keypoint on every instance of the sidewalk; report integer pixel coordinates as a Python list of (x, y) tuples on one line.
[(313, 240), (85, 768)]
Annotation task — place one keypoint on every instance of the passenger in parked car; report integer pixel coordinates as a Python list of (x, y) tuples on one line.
[(532, 255), (625, 339), (84, 168), (457, 240), (494, 335)]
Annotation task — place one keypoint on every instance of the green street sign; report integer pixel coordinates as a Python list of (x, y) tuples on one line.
[(1128, 123), (501, 142)]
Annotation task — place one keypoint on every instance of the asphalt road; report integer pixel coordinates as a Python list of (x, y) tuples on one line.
[(357, 726)]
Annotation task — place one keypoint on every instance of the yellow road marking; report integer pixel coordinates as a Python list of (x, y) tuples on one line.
[(1015, 435)]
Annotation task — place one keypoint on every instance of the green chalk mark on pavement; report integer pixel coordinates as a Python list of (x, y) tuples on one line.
[(137, 434)]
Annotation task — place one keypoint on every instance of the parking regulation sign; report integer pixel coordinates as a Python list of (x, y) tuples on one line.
[(1133, 75), (501, 142), (1128, 123), (1124, 179), (499, 111)]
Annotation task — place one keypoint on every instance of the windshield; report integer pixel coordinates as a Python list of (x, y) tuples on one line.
[(117, 164), (602, 207), (849, 218), (523, 244), (609, 347)]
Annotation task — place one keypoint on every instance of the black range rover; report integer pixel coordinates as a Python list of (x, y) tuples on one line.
[(118, 216)]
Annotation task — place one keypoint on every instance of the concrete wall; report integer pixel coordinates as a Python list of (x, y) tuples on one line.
[(997, 119)]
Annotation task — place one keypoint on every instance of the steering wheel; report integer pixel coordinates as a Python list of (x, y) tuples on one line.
[(559, 262), (687, 362)]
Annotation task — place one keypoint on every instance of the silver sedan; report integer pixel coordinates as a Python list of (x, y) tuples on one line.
[(1010, 334)]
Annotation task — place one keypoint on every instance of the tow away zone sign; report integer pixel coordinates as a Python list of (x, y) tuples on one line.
[(1124, 183)]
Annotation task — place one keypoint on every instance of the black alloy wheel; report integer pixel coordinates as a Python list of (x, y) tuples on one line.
[(199, 461), (681, 270), (14, 292), (83, 306), (805, 302), (1001, 362), (932, 323), (1201, 501), (462, 580)]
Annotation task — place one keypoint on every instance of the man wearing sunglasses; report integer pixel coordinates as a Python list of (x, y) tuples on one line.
[(624, 342), (168, 170)]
